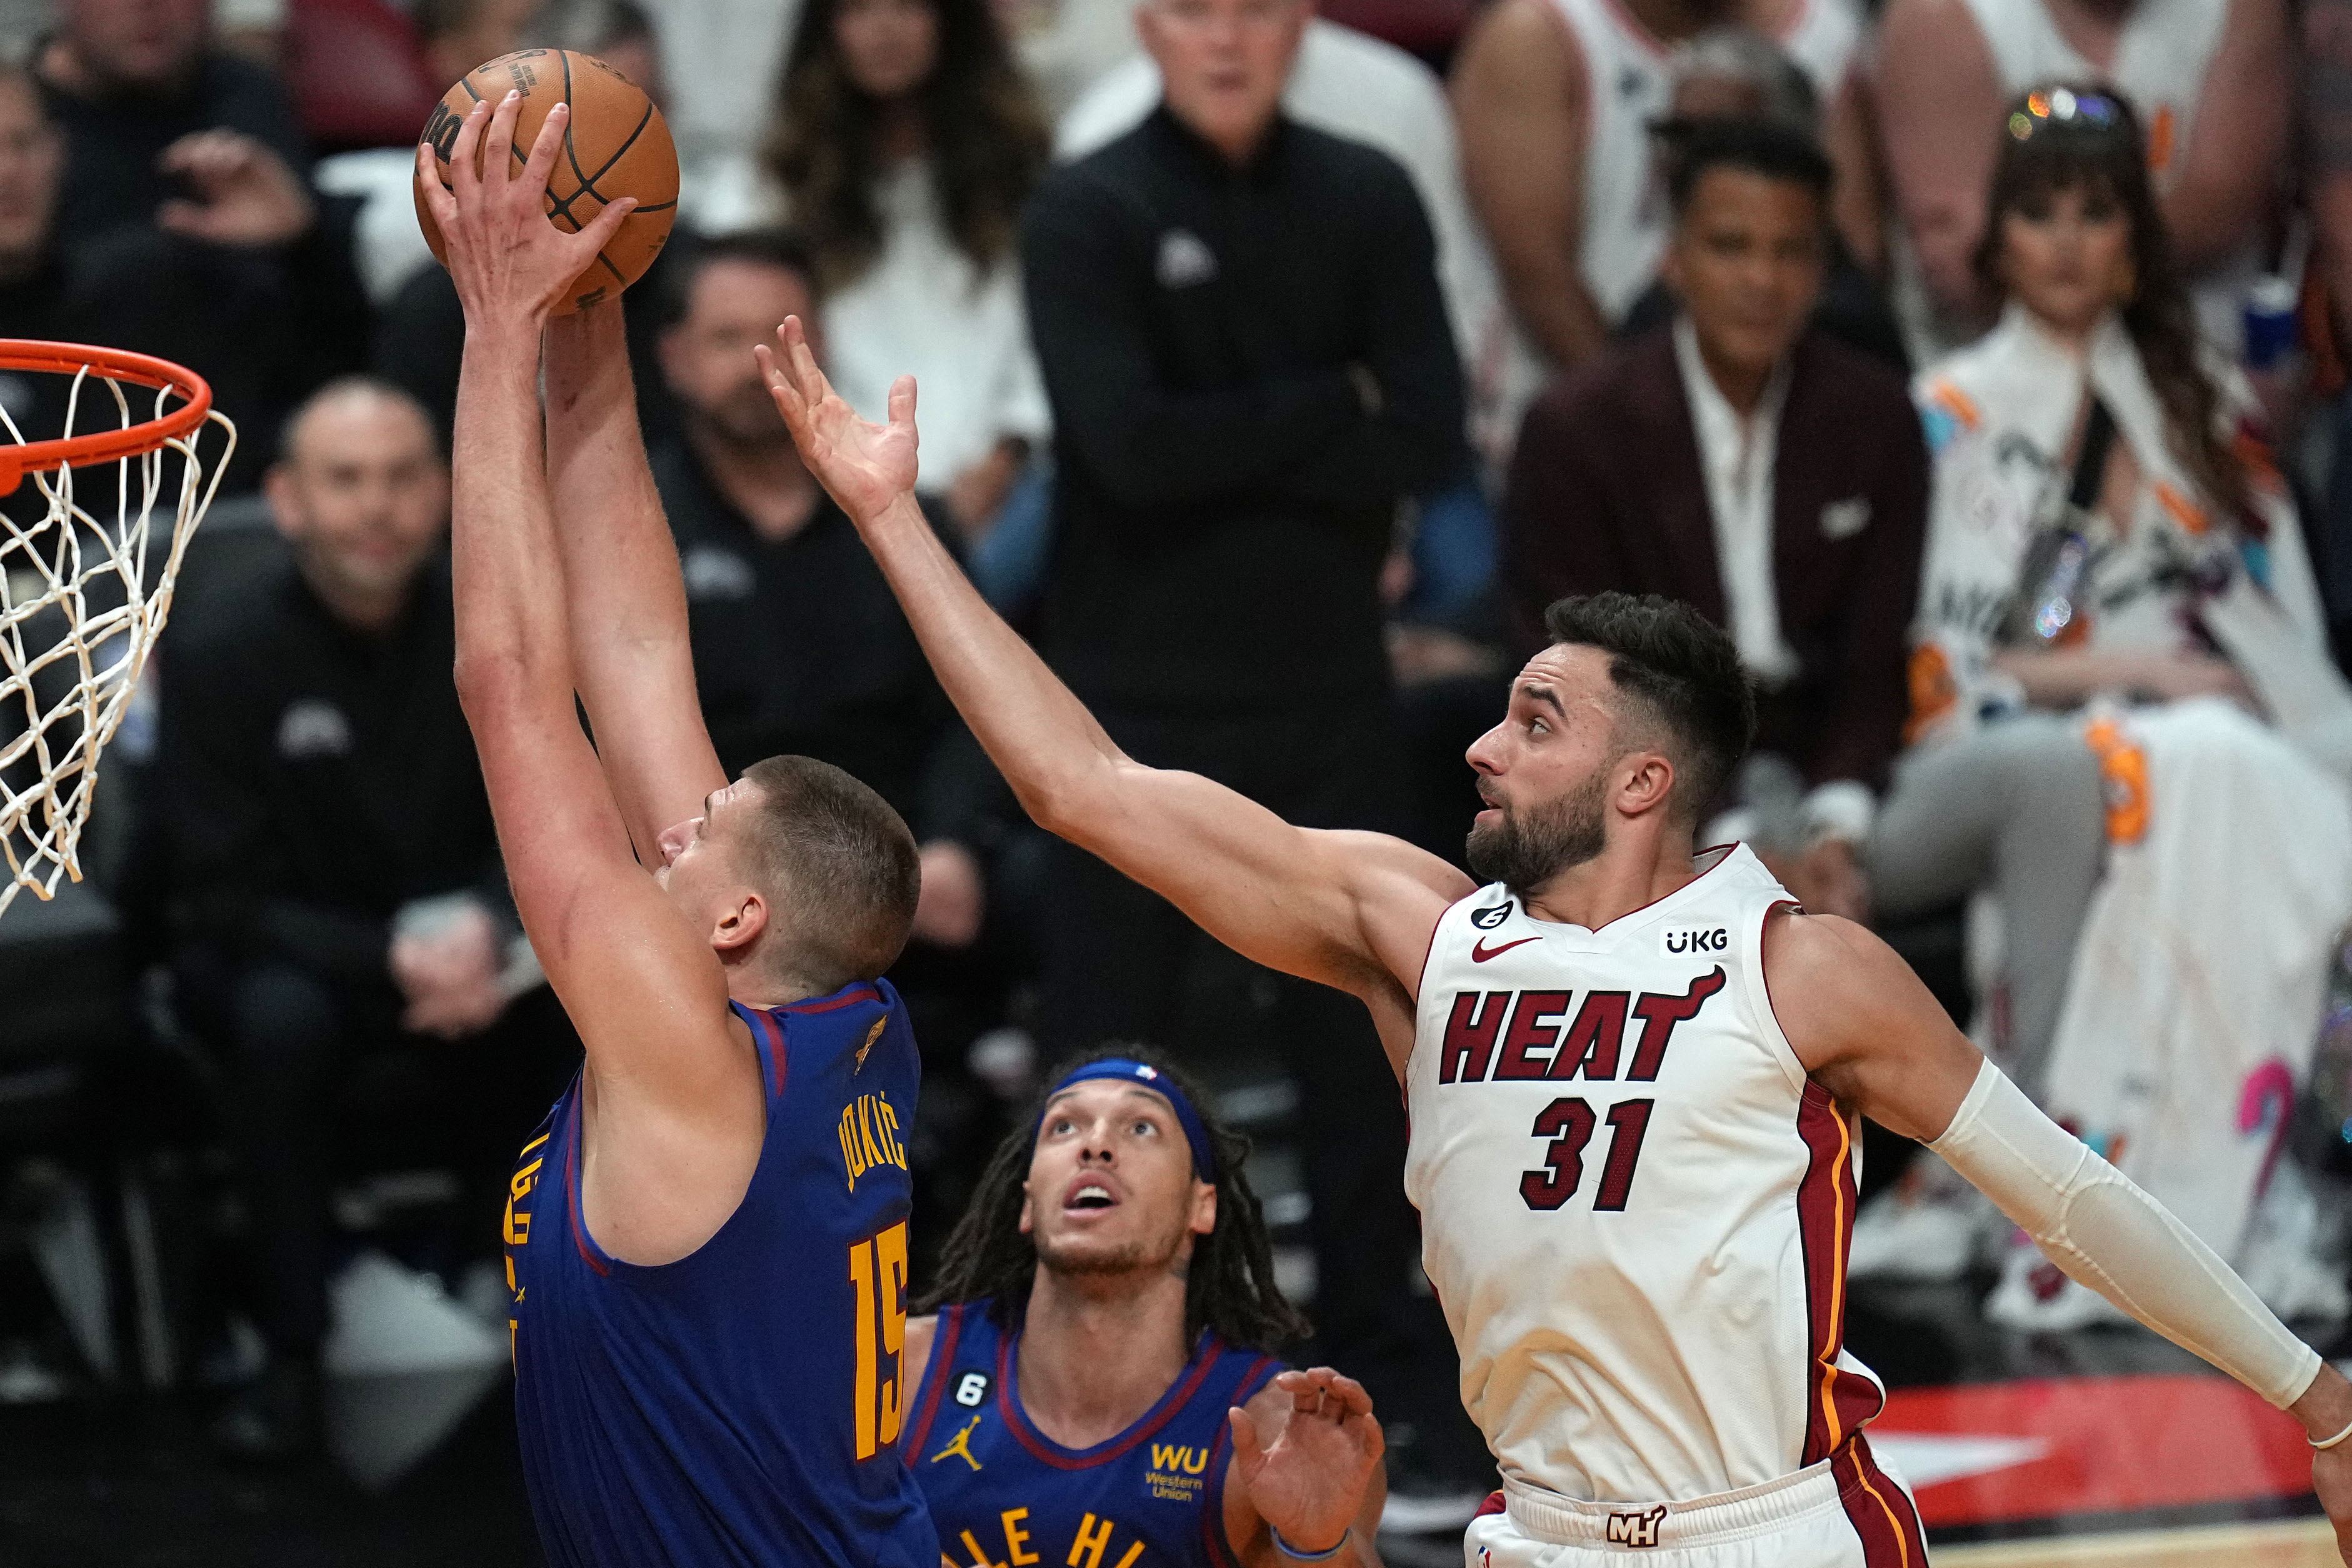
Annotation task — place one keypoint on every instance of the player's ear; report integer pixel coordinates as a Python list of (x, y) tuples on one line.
[(1647, 783), (740, 924), (1026, 1217), (1204, 1207)]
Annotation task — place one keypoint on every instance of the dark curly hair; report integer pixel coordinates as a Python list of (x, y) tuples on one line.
[(1679, 665), (1229, 1287), (987, 141), (2108, 156)]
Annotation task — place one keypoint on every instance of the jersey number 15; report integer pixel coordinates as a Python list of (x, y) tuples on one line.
[(878, 1267)]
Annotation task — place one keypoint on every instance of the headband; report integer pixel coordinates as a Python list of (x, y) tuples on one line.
[(1145, 1076)]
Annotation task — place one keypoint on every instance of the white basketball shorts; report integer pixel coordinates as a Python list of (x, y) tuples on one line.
[(1843, 1512)]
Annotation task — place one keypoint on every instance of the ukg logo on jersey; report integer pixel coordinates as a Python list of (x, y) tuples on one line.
[(1716, 940)]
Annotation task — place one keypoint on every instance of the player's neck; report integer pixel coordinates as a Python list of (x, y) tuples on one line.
[(1098, 1351), (1630, 874)]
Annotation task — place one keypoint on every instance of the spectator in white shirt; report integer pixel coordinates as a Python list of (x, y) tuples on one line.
[(904, 144)]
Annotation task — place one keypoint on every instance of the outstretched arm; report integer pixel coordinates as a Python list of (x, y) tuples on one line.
[(1350, 910), (1868, 1032), (672, 1090), (630, 655)]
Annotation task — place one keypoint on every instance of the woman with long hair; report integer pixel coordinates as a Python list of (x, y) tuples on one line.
[(2126, 728), (903, 144)]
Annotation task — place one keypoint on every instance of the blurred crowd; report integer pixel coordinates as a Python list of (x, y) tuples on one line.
[(1980, 364)]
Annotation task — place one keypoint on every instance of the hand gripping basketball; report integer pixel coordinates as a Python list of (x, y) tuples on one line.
[(510, 264)]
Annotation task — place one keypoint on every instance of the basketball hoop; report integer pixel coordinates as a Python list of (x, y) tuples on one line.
[(78, 610)]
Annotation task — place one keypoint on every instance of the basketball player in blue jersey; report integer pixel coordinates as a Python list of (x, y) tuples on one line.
[(1632, 1154), (1097, 1388), (707, 1238)]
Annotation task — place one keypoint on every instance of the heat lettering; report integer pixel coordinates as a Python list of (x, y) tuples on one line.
[(1594, 1038), (1659, 1014), (1535, 1027), (1470, 1031)]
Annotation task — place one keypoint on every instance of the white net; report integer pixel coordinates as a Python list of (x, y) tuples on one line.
[(89, 557)]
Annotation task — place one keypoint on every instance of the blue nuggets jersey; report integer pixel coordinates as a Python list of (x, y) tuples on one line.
[(1001, 1492), (742, 1404)]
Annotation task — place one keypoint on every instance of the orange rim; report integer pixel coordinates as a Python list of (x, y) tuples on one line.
[(101, 445)]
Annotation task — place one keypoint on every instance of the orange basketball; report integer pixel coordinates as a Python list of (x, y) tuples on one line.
[(617, 146)]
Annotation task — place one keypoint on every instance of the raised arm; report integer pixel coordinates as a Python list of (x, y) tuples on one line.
[(1870, 1033), (627, 603), (1350, 910), (640, 984)]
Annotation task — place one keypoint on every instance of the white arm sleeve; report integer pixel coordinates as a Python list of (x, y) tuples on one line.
[(2090, 1220)]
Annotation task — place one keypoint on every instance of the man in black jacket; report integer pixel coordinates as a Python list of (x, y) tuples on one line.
[(1241, 330), (327, 851)]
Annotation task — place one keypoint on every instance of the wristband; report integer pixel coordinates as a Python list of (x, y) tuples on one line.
[(2315, 1443), (1296, 1555)]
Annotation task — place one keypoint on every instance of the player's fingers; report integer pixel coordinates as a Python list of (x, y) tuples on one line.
[(902, 401), (797, 354), (1246, 1448), (605, 225), (465, 153), (1345, 1395), (545, 149), (497, 142), (789, 401), (437, 197)]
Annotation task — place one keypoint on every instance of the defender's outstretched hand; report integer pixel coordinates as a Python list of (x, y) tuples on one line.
[(1306, 1471), (509, 260), (863, 467)]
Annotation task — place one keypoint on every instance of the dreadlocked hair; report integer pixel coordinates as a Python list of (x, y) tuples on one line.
[(1229, 1287)]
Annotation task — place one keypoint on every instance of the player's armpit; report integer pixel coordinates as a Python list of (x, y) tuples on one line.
[(1863, 1025)]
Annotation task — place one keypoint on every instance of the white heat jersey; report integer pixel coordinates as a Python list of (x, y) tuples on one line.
[(1634, 1203), (1628, 84)]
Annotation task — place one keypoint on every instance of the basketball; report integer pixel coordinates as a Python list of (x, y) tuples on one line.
[(617, 146)]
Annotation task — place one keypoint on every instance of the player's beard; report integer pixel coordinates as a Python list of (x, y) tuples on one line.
[(1523, 849), (1135, 1257)]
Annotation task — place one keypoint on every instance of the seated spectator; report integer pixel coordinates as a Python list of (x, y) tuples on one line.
[(1556, 98), (135, 85), (903, 143), (1739, 72), (2212, 80), (336, 887), (2129, 735), (1744, 462), (264, 315)]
